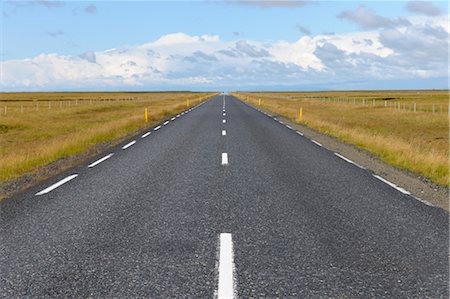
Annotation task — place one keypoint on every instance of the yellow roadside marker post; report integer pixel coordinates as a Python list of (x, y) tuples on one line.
[(301, 114), (146, 115), (187, 103), (259, 104)]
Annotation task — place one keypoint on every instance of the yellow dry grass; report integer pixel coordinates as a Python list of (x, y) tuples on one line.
[(416, 141), (39, 128)]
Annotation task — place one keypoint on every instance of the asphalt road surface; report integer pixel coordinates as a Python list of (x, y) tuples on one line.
[(221, 201)]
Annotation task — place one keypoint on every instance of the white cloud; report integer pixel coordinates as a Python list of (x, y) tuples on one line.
[(418, 50), (423, 7)]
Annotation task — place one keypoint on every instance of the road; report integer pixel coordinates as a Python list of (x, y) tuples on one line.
[(221, 201)]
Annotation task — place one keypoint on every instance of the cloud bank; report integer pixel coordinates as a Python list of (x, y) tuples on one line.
[(415, 48)]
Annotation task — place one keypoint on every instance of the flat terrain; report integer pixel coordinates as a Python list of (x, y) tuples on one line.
[(407, 129), (39, 128), (148, 221)]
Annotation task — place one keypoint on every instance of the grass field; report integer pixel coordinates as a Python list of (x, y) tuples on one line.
[(39, 128), (407, 129)]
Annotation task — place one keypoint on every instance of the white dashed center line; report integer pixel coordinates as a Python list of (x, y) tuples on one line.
[(226, 288), (224, 114), (224, 132), (128, 145), (56, 185), (224, 121), (100, 160), (224, 159)]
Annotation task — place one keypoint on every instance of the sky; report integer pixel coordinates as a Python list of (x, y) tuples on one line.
[(223, 45)]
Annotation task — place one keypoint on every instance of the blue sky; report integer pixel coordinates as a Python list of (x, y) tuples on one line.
[(55, 37)]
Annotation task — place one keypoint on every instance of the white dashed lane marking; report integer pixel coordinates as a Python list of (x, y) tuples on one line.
[(100, 160), (226, 285), (317, 143), (56, 185), (128, 144), (157, 128), (224, 132), (224, 121), (165, 123), (146, 134), (224, 159), (348, 160)]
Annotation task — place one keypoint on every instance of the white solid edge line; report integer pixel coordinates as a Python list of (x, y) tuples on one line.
[(128, 144), (392, 185), (157, 128), (165, 123), (146, 134), (224, 159), (224, 132), (319, 144), (56, 185), (226, 286), (348, 160), (100, 160), (224, 121), (299, 133)]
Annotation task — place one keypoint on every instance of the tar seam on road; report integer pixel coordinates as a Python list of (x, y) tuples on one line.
[(224, 159), (128, 144), (56, 185), (226, 285), (100, 160)]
